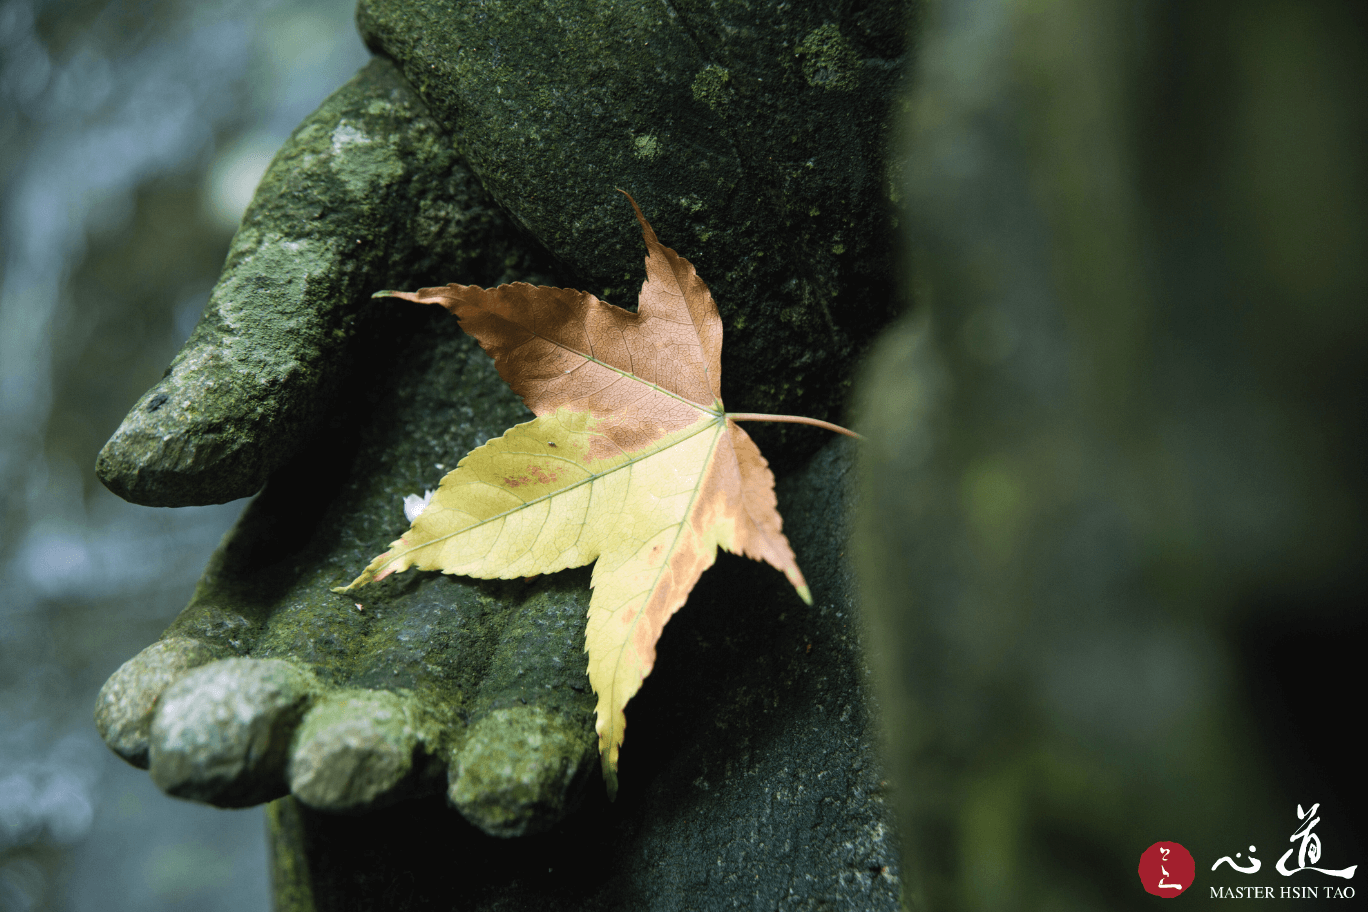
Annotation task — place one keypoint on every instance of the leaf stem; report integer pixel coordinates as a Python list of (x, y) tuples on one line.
[(792, 419)]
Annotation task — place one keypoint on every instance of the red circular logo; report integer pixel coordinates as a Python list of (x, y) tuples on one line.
[(1166, 869)]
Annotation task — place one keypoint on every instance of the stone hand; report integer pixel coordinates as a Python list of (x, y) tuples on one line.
[(269, 683)]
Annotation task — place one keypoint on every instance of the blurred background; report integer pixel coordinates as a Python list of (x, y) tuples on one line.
[(1115, 504), (132, 135)]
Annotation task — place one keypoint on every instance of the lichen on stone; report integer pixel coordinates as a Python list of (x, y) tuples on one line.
[(710, 86), (829, 59), (366, 164), (647, 146)]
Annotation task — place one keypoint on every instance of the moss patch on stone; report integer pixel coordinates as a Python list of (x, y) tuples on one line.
[(647, 146), (710, 86), (829, 59)]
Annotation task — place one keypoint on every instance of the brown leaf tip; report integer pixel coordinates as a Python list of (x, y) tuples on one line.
[(646, 229)]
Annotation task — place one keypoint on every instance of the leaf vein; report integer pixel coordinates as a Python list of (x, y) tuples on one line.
[(589, 479)]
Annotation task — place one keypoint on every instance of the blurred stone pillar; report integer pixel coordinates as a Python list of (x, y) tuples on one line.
[(1112, 531)]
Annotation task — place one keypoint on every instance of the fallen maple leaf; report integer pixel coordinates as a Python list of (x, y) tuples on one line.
[(631, 462)]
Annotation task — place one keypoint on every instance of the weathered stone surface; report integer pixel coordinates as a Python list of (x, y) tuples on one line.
[(360, 750), (752, 135), (123, 710), (221, 734), (366, 194), (521, 770)]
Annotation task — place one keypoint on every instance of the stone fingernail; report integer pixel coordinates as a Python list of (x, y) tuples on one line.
[(123, 710), (358, 751), (521, 771), (221, 734)]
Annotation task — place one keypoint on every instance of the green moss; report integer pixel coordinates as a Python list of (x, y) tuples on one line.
[(647, 147), (710, 86), (366, 163), (291, 882), (515, 775), (829, 59)]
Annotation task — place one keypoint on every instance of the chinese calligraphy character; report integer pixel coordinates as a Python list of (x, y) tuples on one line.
[(1310, 849), (1254, 863), (1163, 859)]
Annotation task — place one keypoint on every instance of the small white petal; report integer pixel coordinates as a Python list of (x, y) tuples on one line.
[(415, 505)]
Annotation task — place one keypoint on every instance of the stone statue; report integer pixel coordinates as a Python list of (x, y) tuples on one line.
[(483, 145)]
